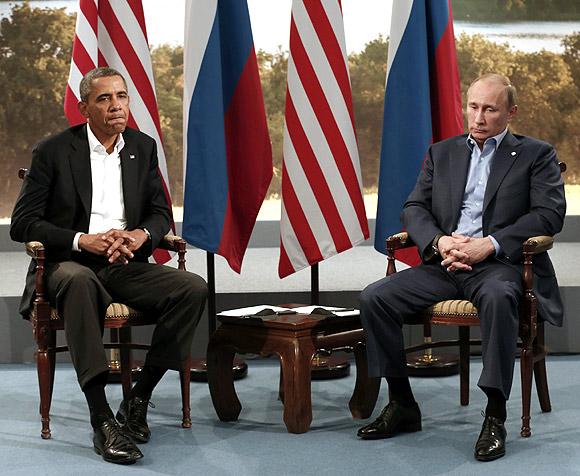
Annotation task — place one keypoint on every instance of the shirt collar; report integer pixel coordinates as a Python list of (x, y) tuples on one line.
[(96, 146), (497, 140)]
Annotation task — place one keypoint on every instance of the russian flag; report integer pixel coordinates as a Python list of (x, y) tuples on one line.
[(227, 151), (422, 103)]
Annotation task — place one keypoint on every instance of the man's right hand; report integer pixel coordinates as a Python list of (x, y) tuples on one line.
[(447, 243)]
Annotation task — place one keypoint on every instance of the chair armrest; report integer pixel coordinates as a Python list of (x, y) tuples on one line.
[(538, 244), (177, 244), (396, 242), (399, 241), (173, 243), (34, 249)]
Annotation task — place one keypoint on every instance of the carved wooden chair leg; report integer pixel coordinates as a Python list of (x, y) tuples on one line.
[(526, 363), (43, 361), (541, 379), (126, 360), (464, 364), (52, 363), (540, 375), (185, 379)]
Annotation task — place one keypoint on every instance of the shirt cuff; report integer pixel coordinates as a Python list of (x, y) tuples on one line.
[(495, 245), (75, 245)]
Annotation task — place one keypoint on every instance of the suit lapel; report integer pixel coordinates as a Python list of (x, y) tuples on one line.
[(129, 172), (458, 168), (502, 162), (80, 164)]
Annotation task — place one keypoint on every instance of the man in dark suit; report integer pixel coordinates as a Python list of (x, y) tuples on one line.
[(476, 200), (94, 197)]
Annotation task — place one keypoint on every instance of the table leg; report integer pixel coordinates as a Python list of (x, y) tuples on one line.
[(295, 362), (366, 389), (281, 384), (220, 377)]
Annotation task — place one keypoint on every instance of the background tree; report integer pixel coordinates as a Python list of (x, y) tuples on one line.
[(35, 52), (368, 70), (273, 69), (167, 62)]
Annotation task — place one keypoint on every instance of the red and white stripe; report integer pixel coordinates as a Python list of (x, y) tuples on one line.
[(322, 205), (113, 33)]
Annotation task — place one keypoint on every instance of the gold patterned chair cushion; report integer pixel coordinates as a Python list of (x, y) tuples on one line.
[(114, 311), (455, 307)]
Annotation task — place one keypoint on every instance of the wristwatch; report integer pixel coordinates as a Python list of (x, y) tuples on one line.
[(435, 243)]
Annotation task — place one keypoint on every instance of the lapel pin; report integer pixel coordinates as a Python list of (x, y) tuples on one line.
[(513, 153), (132, 156)]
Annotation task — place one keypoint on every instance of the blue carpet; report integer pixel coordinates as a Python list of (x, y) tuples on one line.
[(258, 443)]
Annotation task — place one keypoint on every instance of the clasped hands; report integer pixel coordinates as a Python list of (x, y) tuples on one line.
[(117, 245), (460, 252)]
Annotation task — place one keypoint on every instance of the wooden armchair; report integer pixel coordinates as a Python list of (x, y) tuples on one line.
[(120, 318), (464, 315)]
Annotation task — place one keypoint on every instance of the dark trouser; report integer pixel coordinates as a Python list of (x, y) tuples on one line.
[(82, 294), (494, 288)]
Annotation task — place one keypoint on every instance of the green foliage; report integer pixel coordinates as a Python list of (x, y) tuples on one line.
[(516, 10), (368, 71), (167, 62), (35, 51), (273, 67)]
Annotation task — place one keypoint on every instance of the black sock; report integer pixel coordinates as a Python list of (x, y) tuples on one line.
[(148, 380), (400, 390), (496, 403), (94, 391)]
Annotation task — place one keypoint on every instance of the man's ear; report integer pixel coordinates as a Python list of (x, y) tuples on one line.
[(512, 112), (82, 107)]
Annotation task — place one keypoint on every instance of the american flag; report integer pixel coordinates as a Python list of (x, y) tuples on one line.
[(323, 211), (113, 33)]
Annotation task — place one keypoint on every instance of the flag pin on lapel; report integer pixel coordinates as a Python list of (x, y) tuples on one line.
[(513, 153), (132, 156)]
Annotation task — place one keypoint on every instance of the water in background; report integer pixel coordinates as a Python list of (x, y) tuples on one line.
[(165, 25)]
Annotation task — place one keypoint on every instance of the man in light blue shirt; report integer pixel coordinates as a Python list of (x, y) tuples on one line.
[(477, 199)]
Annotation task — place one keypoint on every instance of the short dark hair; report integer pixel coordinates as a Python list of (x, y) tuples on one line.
[(87, 81), (510, 89)]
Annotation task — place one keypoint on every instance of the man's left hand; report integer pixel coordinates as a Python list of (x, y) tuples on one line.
[(476, 249), (125, 243)]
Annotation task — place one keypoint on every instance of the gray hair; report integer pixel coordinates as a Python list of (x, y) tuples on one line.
[(510, 89), (87, 81)]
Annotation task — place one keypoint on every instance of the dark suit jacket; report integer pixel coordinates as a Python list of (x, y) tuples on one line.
[(55, 201), (524, 197)]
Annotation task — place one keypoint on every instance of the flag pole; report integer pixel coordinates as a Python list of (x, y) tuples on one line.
[(211, 308), (314, 285), (198, 370), (324, 367)]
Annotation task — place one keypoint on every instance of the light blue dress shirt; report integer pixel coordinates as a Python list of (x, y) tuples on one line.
[(470, 221)]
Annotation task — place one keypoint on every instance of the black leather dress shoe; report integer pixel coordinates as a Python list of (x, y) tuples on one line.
[(395, 418), (132, 415), (112, 444), (491, 442)]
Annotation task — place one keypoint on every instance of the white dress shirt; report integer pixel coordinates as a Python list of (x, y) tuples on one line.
[(471, 218), (107, 206)]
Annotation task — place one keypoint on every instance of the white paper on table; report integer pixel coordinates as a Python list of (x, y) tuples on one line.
[(337, 311), (251, 311)]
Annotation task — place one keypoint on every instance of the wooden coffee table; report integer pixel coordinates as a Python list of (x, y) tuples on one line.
[(296, 339)]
